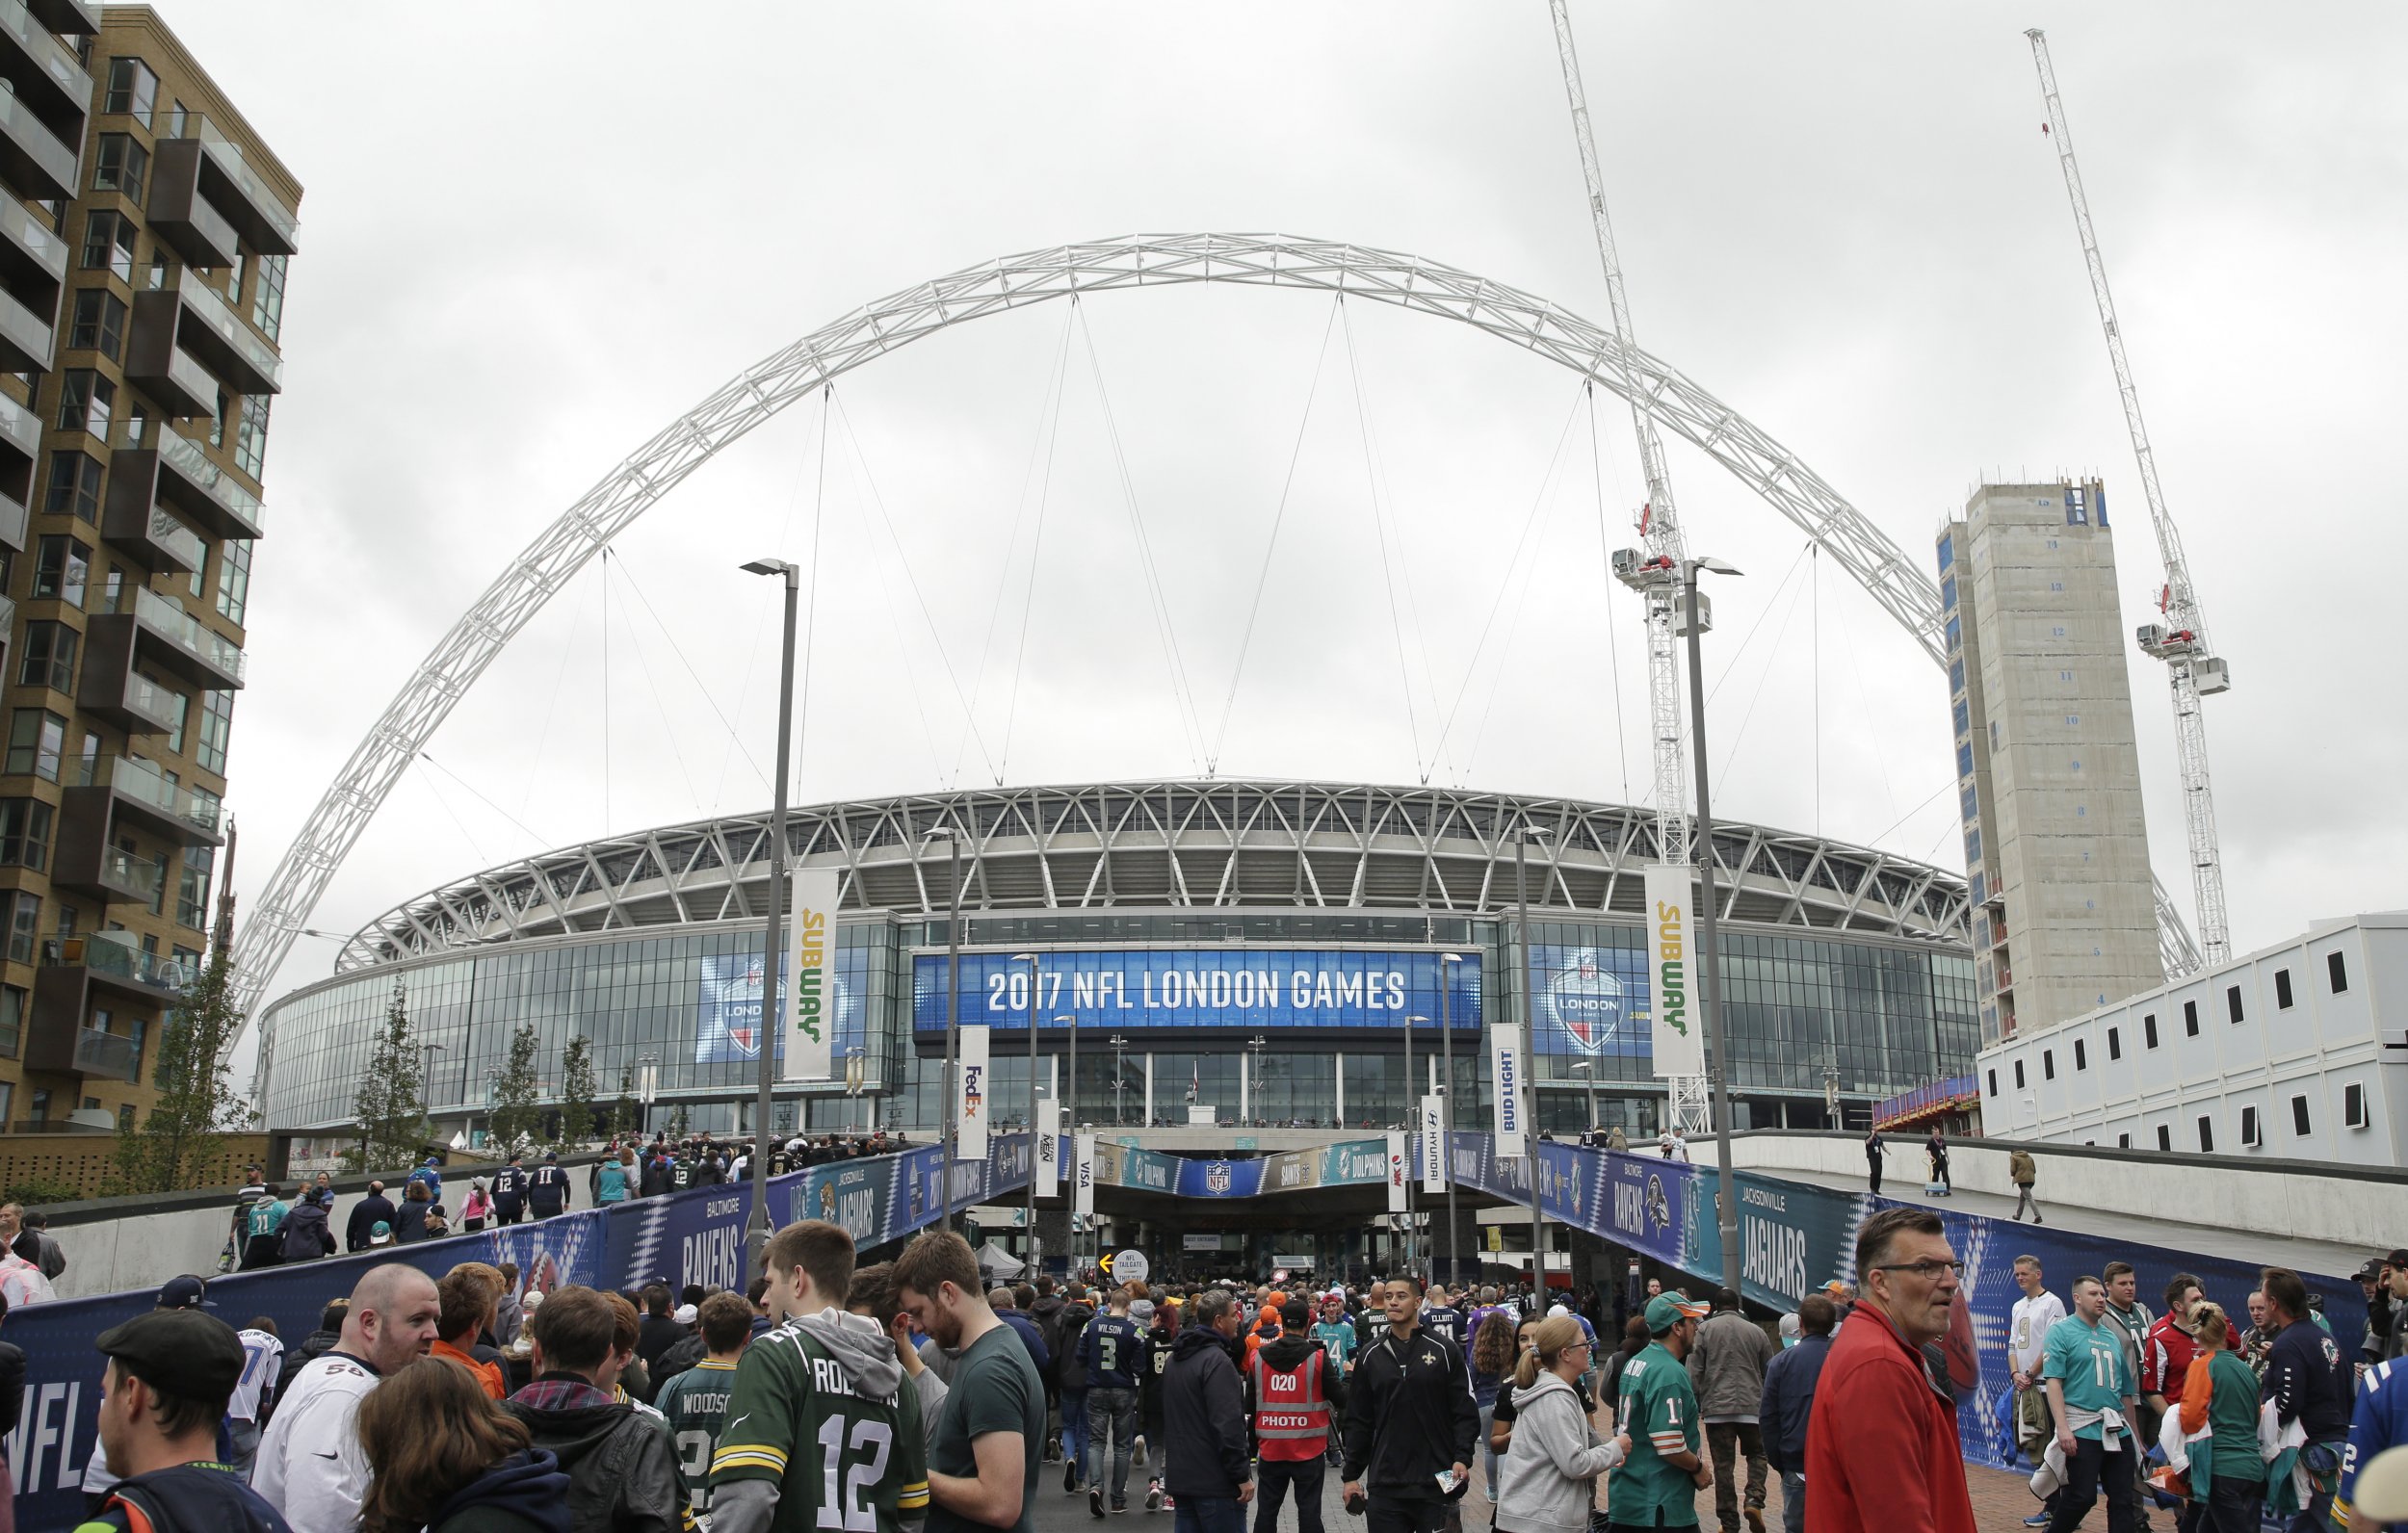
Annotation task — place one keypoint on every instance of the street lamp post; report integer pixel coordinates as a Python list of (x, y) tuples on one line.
[(1254, 1074), (1530, 1049), (1587, 1070), (1069, 1115), (1709, 974), (1120, 1080), (1446, 1105), (1035, 995), (647, 1088), (773, 1024), (952, 1011)]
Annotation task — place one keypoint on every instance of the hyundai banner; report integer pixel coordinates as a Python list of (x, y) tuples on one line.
[(970, 1109), (1505, 1069), (1677, 1025), (1432, 1140), (810, 1000), (1207, 987)]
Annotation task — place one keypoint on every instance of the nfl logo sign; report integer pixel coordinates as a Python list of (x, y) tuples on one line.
[(1216, 1177), (1587, 1000)]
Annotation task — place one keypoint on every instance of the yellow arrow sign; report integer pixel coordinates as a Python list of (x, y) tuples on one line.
[(1105, 1263)]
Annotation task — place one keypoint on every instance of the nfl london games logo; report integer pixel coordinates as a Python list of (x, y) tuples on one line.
[(747, 1040), (1587, 1000), (1216, 1177)]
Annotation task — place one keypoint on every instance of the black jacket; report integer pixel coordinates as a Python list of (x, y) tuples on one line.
[(1204, 1412), (655, 1334), (366, 1215), (1789, 1402), (1410, 1416), (621, 1466), (676, 1361), (524, 1493), (307, 1234), (11, 1387), (411, 1222)]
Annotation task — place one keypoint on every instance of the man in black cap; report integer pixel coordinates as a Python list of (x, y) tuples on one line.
[(548, 1194), (169, 1374)]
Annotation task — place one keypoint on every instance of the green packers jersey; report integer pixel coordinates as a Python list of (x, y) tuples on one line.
[(696, 1403), (845, 1463)]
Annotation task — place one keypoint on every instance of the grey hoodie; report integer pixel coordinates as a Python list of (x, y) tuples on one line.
[(1547, 1479), (867, 1355)]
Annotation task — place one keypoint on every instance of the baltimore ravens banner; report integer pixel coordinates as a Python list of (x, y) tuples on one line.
[(1048, 1147), (1433, 1144), (1504, 1068), (1397, 1169), (970, 1108), (1680, 1046), (810, 1008), (1083, 1184)]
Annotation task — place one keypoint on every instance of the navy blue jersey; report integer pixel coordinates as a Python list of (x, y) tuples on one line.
[(1113, 1349)]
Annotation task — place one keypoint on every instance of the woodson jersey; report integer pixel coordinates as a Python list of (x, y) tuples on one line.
[(793, 1418), (695, 1404)]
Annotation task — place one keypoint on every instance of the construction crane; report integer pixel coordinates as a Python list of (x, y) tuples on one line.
[(2181, 639), (1657, 576)]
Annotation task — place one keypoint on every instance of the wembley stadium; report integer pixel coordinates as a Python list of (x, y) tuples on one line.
[(1255, 951)]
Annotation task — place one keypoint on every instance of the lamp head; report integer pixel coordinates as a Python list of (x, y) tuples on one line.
[(1715, 566), (768, 566)]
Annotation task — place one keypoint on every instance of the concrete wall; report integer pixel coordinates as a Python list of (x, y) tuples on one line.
[(2293, 1198)]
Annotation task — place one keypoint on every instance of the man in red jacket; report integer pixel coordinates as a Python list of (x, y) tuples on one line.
[(1881, 1448)]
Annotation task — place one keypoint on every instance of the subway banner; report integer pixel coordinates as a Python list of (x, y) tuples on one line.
[(691, 1236), (1201, 987), (810, 1002), (1504, 1071), (1678, 1035), (1794, 1237), (970, 1111)]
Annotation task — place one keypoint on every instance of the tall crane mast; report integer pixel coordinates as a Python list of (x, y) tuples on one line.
[(2181, 640), (1657, 577)]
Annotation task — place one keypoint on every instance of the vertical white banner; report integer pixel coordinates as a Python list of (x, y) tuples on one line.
[(1433, 1144), (1504, 1068), (1048, 1147), (1676, 1030), (810, 999), (1398, 1169), (970, 1110), (1083, 1186)]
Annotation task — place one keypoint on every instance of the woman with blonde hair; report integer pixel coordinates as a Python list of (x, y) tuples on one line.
[(1553, 1460), (448, 1459)]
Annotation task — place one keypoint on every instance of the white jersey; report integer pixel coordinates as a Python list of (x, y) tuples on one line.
[(22, 1284), (263, 1363), (312, 1467), (2028, 1329)]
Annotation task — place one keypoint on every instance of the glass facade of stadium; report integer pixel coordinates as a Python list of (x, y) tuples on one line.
[(1277, 1007)]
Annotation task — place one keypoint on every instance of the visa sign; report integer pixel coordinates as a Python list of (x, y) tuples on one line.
[(1505, 1059), (1679, 1047)]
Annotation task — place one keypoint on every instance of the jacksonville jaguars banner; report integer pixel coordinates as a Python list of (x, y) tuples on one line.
[(810, 1000), (1504, 1071), (970, 1106), (1677, 1030)]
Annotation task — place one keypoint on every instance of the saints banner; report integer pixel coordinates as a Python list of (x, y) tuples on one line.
[(971, 1107), (810, 1009), (1678, 1028)]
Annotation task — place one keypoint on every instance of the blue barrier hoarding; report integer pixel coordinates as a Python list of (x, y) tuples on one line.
[(1199, 987)]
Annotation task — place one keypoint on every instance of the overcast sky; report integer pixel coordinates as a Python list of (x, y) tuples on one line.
[(527, 245)]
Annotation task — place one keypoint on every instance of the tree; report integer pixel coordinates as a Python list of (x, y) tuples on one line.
[(390, 1102), (515, 1117), (626, 1113), (577, 1093), (184, 1133)]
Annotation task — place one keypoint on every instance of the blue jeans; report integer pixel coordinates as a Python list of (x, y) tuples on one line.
[(1208, 1514), (1793, 1501), (1074, 1428), (1110, 1420)]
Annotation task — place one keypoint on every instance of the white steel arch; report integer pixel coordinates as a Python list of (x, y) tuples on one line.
[(546, 564)]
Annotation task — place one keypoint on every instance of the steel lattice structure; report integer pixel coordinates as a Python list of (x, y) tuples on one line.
[(547, 564), (1226, 845)]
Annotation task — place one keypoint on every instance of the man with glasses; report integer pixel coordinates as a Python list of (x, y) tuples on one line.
[(2091, 1392), (1882, 1450)]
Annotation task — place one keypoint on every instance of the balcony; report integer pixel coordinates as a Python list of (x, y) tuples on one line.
[(45, 73), (25, 335), (112, 873), (224, 341), (121, 966), (127, 787), (161, 369), (33, 159), (71, 16), (58, 1039), (180, 214), (160, 631), (152, 536), (113, 689), (179, 473), (33, 260), (218, 172)]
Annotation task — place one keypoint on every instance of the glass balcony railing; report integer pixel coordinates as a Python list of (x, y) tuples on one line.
[(137, 778), (120, 960), (55, 59), (105, 1053), (210, 310), (166, 616), (128, 875), (152, 701), (180, 542), (184, 455), (49, 158), (228, 156), (25, 332), (20, 427)]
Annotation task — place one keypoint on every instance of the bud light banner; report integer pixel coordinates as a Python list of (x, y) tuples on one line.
[(727, 1005), (1210, 987), (1505, 1069), (810, 1002), (1678, 1030)]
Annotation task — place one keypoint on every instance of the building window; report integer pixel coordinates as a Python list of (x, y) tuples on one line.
[(25, 833), (183, 707), (133, 89), (1957, 674), (2123, 1141), (2191, 1019), (97, 322), (2355, 1105), (2149, 1029), (2337, 971), (2282, 990), (2019, 1075), (160, 267), (74, 485), (2048, 1064), (85, 402), (1957, 637), (2166, 1137), (11, 1019), (217, 422), (233, 579), (2232, 1001), (121, 166), (37, 744), (217, 728), (2081, 1054), (61, 567), (2207, 1137), (49, 657), (2250, 1138), (1994, 1082), (251, 435), (2299, 1116), (1947, 593), (109, 244), (234, 283), (191, 889), (1964, 717), (2115, 1043), (267, 301), (24, 924)]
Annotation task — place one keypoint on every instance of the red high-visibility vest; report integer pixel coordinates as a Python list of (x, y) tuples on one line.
[(1291, 1412)]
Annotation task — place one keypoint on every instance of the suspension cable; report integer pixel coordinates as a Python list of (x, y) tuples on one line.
[(643, 666), (552, 703), (453, 815), (698, 686), (1379, 527), (1037, 558), (1731, 753), (753, 652), (539, 835)]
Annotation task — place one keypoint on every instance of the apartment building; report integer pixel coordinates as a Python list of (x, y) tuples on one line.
[(143, 246)]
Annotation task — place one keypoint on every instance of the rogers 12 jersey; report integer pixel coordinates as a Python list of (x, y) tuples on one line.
[(695, 1404), (845, 1462)]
